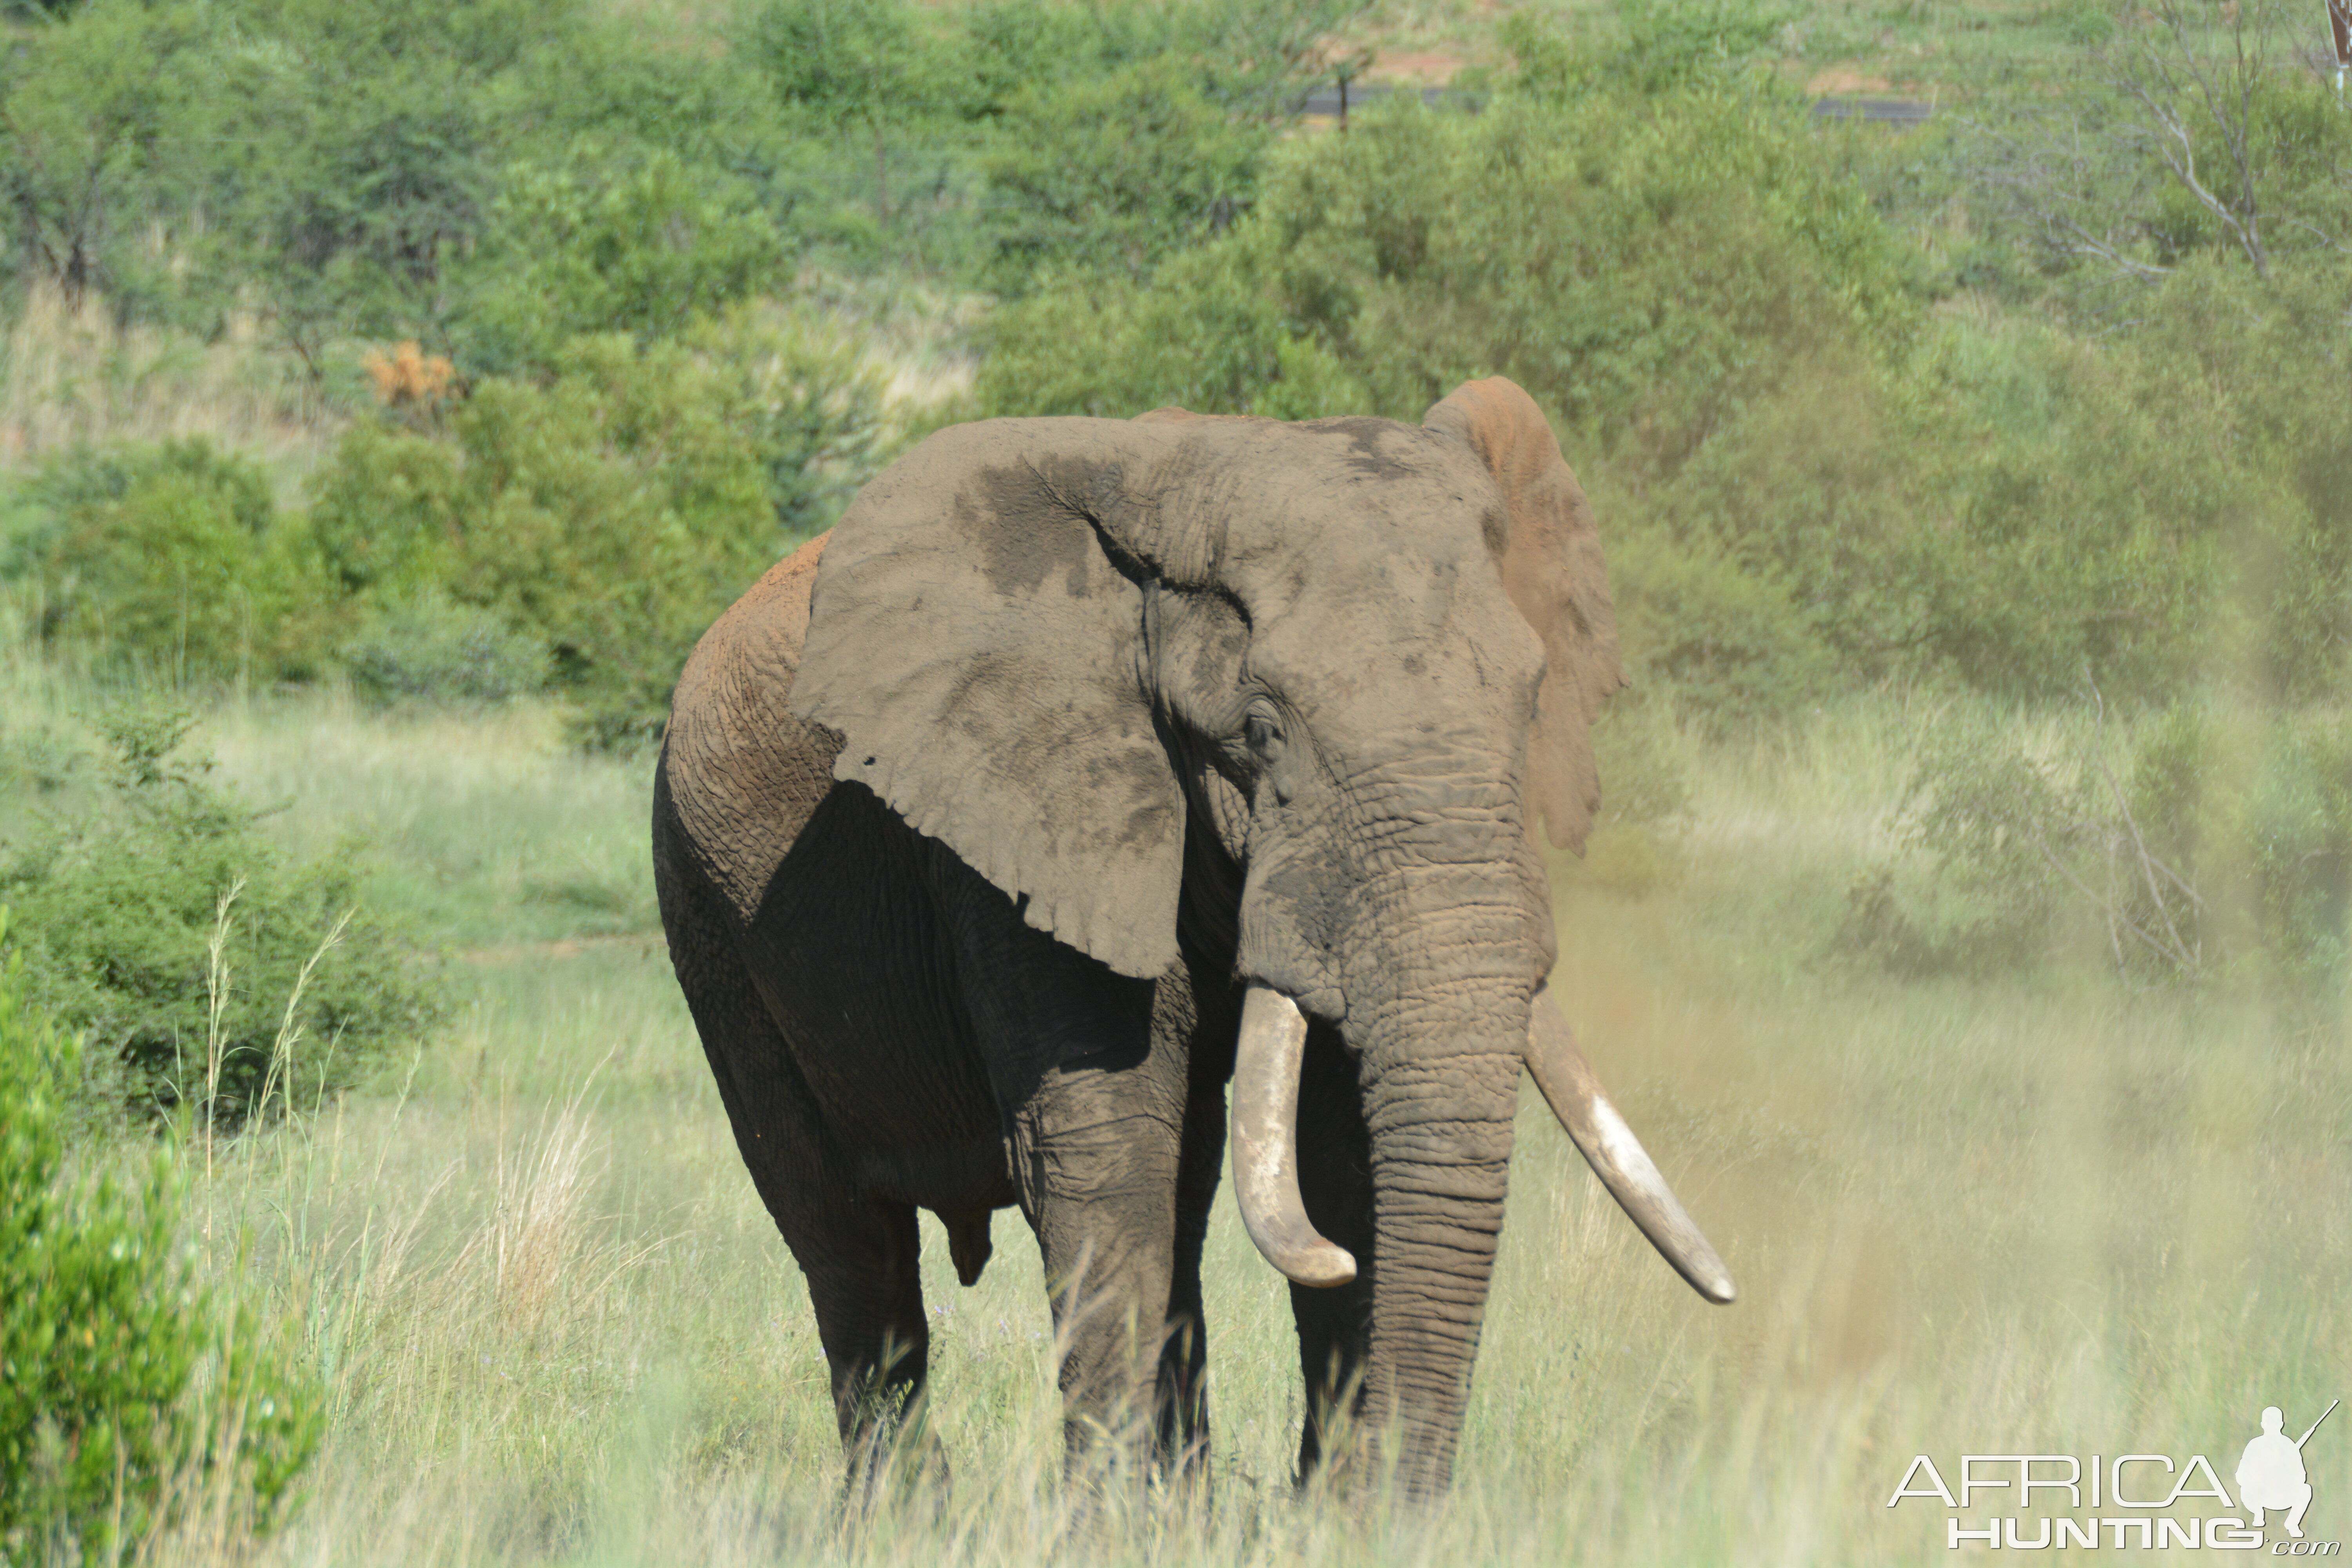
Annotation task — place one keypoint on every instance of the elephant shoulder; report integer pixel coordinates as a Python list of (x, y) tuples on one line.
[(741, 772)]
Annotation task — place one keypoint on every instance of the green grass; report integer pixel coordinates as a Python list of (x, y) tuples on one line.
[(1982, 1216)]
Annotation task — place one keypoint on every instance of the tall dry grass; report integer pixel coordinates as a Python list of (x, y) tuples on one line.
[(2035, 1214), (71, 376)]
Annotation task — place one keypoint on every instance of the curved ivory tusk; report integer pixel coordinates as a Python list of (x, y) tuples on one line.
[(1266, 1143), (1615, 1155)]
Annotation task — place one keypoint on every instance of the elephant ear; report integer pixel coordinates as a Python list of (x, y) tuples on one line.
[(1550, 556), (980, 652)]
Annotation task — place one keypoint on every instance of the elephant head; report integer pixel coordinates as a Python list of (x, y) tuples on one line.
[(1309, 688)]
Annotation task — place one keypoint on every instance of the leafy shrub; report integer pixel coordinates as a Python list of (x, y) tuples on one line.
[(1645, 266), (1252, 58), (129, 1387), (1208, 335), (612, 238), (173, 560), (2000, 826), (610, 514), (1114, 173), (89, 152), (870, 80), (202, 967), (429, 650), (356, 158), (2197, 133), (2205, 840), (1734, 640)]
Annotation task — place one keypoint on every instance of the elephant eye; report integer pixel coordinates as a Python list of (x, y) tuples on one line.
[(1261, 731)]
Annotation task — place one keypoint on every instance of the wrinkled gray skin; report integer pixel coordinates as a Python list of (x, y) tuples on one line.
[(965, 857)]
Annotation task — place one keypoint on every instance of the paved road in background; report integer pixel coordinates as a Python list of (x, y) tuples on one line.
[(1895, 111)]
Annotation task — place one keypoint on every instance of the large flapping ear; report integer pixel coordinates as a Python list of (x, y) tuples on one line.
[(1551, 566), (979, 651)]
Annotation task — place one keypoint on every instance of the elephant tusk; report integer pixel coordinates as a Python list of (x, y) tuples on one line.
[(1615, 1155), (1266, 1062)]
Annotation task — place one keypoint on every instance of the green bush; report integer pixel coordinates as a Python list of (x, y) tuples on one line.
[(872, 82), (355, 157), (1672, 43), (204, 968), (1208, 334), (1114, 173), (613, 238), (171, 561), (2204, 840), (429, 650), (610, 514), (93, 153), (1734, 640), (128, 1387), (1252, 58)]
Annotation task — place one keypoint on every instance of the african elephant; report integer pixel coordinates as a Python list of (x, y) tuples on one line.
[(1089, 763)]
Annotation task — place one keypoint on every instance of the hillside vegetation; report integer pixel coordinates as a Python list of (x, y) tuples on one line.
[(389, 398)]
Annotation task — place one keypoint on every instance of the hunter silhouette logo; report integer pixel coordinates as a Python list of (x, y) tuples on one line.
[(2270, 1475), (2130, 1498)]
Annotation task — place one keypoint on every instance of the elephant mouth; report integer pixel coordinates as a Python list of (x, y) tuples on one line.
[(1268, 1060)]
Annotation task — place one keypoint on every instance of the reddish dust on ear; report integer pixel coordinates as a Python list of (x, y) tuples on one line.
[(1552, 568)]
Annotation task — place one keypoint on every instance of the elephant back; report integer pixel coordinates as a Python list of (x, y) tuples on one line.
[(742, 773)]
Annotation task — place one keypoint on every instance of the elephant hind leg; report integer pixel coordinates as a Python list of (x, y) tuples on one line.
[(863, 1281), (857, 1253)]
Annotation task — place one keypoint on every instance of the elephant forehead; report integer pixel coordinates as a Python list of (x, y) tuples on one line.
[(1404, 645), (1390, 571), (1360, 503)]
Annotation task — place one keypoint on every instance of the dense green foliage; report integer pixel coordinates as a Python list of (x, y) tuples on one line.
[(2041, 393), (592, 519), (1114, 176), (1811, 479), (612, 239), (451, 172), (608, 512), (128, 1386), (2207, 839), (428, 648), (173, 561), (201, 967)]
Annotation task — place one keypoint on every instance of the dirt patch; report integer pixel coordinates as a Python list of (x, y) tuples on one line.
[(1841, 81), (1425, 67)]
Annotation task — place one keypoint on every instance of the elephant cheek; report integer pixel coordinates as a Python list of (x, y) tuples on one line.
[(1291, 923)]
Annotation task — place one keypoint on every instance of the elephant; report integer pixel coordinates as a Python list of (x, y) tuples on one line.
[(1089, 764)]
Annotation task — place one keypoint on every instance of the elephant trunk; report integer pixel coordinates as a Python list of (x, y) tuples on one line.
[(1439, 1074)]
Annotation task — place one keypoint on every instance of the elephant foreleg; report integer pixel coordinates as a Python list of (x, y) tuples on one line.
[(1197, 1016), (1091, 1074), (1100, 1193)]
